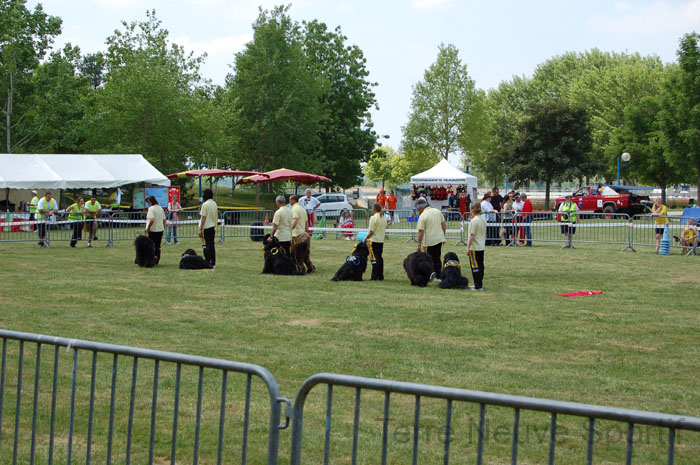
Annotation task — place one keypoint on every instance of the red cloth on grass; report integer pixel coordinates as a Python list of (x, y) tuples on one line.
[(578, 294)]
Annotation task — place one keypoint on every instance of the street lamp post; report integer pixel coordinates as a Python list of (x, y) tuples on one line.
[(625, 158)]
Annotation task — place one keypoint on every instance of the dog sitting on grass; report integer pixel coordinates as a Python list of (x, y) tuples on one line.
[(419, 268), (191, 261), (301, 253), (145, 251), (354, 266), (277, 261), (451, 273)]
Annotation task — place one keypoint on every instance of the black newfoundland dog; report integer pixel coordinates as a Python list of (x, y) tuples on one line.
[(145, 251), (191, 261), (277, 261), (419, 268), (451, 273), (354, 266)]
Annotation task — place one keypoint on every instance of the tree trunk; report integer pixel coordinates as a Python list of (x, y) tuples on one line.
[(8, 117), (548, 185), (698, 192), (663, 194), (257, 194)]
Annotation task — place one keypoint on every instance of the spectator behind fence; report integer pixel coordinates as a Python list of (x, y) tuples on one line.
[(345, 222), (310, 204), (659, 213), (689, 237), (567, 212), (174, 208), (519, 232), (489, 215), (692, 204), (76, 216), (92, 210), (496, 199), (507, 219), (527, 218), (46, 210), (392, 201)]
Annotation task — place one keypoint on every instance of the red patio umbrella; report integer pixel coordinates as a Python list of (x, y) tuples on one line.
[(284, 174)]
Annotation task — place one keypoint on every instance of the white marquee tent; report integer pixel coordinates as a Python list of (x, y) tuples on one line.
[(76, 171), (444, 174)]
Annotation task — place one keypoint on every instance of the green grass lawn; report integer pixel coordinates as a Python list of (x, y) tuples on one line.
[(635, 346)]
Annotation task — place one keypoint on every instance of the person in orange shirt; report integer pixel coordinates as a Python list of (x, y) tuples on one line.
[(391, 203), (381, 198)]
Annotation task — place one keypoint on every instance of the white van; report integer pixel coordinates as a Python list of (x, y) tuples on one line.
[(333, 203)]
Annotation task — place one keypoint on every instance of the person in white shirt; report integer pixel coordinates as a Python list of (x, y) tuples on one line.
[(489, 215), (310, 204), (518, 205)]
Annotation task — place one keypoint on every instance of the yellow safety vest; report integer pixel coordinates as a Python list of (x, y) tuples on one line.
[(75, 213), (48, 205), (92, 207), (33, 204), (570, 210)]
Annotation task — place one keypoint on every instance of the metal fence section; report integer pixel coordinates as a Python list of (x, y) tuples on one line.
[(245, 223), (645, 229), (116, 404), (400, 393)]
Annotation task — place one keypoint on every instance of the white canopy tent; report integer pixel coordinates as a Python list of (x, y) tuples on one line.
[(444, 174), (76, 171)]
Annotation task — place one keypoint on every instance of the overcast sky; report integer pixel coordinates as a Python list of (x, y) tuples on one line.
[(497, 39)]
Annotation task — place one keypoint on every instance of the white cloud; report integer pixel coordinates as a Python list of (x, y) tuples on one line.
[(347, 9), (425, 5), (657, 17)]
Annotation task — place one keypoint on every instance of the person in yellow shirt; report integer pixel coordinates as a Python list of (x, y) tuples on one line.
[(431, 233), (155, 225), (76, 215), (300, 232), (689, 238), (282, 225), (375, 238), (659, 212), (209, 217)]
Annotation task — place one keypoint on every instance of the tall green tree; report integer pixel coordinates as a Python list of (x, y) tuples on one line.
[(25, 37), (644, 139), (61, 97), (553, 144), (346, 135), (412, 162), (445, 109), (276, 96), (680, 118), (149, 102), (380, 166)]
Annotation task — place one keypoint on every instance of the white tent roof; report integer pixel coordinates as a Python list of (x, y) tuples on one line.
[(444, 174), (76, 171)]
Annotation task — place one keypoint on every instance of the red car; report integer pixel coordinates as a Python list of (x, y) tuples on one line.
[(610, 199)]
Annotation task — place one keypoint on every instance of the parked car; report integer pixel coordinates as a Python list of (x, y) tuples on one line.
[(610, 199), (333, 203)]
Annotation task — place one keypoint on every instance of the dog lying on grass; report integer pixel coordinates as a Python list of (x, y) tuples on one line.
[(452, 274), (145, 251), (277, 261), (419, 268), (191, 261), (354, 266)]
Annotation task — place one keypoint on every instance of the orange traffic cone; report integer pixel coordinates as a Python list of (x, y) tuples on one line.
[(267, 218)]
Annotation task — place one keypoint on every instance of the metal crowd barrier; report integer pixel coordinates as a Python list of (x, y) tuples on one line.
[(108, 403), (398, 392), (645, 228), (118, 404)]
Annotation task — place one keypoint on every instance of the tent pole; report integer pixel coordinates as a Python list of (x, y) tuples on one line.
[(200, 190)]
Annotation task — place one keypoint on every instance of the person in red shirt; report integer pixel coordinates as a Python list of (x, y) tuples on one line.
[(381, 198), (527, 218), (391, 201)]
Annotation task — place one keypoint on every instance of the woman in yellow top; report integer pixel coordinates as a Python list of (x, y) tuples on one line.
[(375, 238), (659, 212), (689, 238)]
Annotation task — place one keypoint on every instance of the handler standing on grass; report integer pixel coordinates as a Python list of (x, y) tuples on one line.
[(476, 245), (282, 225), (568, 210), (75, 214), (209, 216), (431, 233), (299, 226), (46, 209), (377, 229), (155, 225)]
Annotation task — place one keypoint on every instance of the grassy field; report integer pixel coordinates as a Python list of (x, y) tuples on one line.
[(634, 346)]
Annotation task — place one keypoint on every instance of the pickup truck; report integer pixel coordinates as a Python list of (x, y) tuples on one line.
[(610, 199)]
